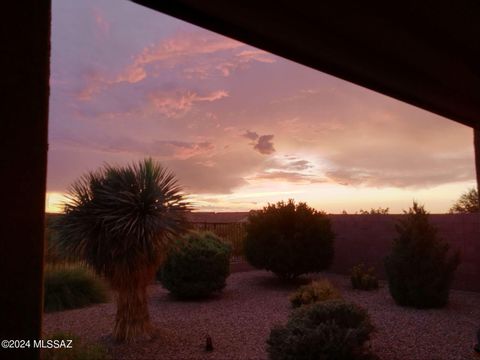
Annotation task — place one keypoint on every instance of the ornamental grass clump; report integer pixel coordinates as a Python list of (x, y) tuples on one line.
[(316, 291), (71, 286), (120, 221), (329, 330), (420, 267), (363, 278), (196, 266), (289, 239)]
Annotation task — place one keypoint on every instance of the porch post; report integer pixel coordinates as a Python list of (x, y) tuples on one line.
[(23, 164)]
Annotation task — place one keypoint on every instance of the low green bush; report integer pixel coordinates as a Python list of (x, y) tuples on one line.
[(316, 291), (78, 350), (197, 266), (289, 239), (420, 267), (329, 330), (363, 278), (71, 286)]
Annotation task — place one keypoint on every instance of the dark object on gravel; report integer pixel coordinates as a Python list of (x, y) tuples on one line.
[(477, 345), (209, 344)]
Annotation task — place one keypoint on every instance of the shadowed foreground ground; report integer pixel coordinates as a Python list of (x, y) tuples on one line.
[(240, 319)]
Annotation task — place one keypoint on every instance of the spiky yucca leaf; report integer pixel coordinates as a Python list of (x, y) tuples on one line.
[(120, 221), (121, 218)]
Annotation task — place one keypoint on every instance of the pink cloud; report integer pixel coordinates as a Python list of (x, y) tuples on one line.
[(176, 50), (186, 45), (102, 24), (252, 135), (95, 83), (255, 54), (194, 55), (264, 145), (132, 74), (166, 149), (225, 56), (289, 176), (178, 103), (242, 59)]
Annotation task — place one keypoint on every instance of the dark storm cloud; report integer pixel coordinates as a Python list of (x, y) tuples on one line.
[(264, 145)]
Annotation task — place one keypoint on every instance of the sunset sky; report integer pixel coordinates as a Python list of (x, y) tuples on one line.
[(238, 126)]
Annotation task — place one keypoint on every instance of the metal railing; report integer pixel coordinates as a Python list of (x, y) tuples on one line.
[(232, 232)]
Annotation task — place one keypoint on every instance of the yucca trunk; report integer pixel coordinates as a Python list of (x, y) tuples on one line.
[(132, 321)]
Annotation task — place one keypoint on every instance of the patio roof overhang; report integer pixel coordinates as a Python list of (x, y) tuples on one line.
[(425, 53)]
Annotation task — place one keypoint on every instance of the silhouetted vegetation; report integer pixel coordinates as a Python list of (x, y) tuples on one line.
[(120, 220), (54, 252), (289, 239), (196, 266), (420, 269), (467, 203), (377, 211), (363, 278), (330, 330), (72, 286), (316, 291), (372, 211)]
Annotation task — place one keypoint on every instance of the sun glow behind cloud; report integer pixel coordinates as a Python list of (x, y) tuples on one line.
[(238, 126)]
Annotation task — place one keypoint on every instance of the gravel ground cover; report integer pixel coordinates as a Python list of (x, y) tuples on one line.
[(239, 322)]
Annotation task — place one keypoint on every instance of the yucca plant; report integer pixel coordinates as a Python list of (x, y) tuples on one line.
[(120, 220)]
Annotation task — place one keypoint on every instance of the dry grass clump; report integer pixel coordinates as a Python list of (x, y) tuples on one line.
[(316, 291)]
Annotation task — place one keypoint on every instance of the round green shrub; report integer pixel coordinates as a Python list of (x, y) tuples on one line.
[(316, 291), (420, 269), (196, 266), (71, 286), (289, 239), (329, 330)]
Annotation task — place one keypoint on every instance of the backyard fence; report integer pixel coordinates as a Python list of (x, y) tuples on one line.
[(365, 239), (232, 232)]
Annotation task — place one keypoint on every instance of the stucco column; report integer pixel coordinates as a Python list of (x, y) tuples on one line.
[(23, 165)]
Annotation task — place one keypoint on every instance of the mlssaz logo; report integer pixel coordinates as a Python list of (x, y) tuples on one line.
[(53, 344)]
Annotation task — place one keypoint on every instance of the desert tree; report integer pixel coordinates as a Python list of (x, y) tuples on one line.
[(120, 221), (467, 203)]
